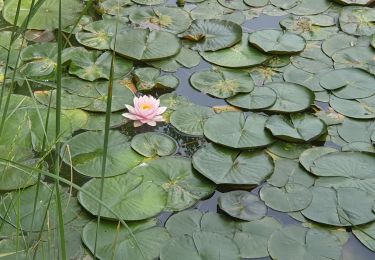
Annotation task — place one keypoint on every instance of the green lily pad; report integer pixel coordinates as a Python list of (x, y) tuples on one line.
[(68, 101), (295, 242), (304, 78), (176, 176), (259, 98), (201, 245), (290, 172), (222, 83), (307, 7), (154, 144), (145, 242), (128, 196), (308, 157), (357, 108), (227, 166), (312, 59), (358, 147), (97, 35), (299, 127), (354, 2), (277, 42), (190, 120), (211, 34), (240, 55), (349, 83), (256, 3), (340, 207), (161, 18), (17, 207), (96, 121), (234, 4), (366, 234), (238, 130), (46, 16), (355, 57), (85, 153), (242, 205), (338, 42), (290, 97), (145, 45), (214, 10), (184, 223), (357, 20), (149, 2), (149, 78), (288, 150), (93, 65), (353, 130)]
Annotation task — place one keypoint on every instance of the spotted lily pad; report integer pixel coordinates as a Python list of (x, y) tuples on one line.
[(277, 42), (154, 144), (222, 83), (242, 205), (211, 35), (238, 130), (226, 166)]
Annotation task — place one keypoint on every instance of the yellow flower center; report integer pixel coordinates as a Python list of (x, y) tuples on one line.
[(146, 106)]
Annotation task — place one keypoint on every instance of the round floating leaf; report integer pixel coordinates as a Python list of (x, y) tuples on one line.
[(128, 196), (359, 147), (355, 57), (354, 2), (312, 59), (213, 10), (85, 153), (291, 197), (190, 120), (353, 130), (304, 78), (201, 245), (290, 97), (357, 108), (161, 18), (98, 34), (234, 4), (307, 7), (296, 127), (366, 235), (338, 42), (357, 20), (239, 56), (259, 98), (46, 17), (68, 101), (211, 34), (277, 42), (149, 78), (175, 175), (290, 172), (184, 223), (256, 3), (145, 45), (252, 237), (295, 242), (349, 83), (154, 144), (242, 205), (340, 207), (149, 2), (222, 83), (288, 150), (17, 207), (227, 166), (109, 241), (308, 157), (96, 121), (93, 65), (237, 130)]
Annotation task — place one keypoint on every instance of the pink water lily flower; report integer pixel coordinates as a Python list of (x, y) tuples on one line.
[(146, 110)]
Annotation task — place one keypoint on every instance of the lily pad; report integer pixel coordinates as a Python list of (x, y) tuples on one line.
[(353, 130), (357, 20), (357, 108), (85, 153), (176, 176), (308, 157), (154, 144), (242, 205), (296, 127), (184, 223), (277, 42), (259, 98), (240, 55), (234, 4), (290, 97), (211, 34), (307, 7), (222, 83), (238, 130), (349, 83), (127, 196), (355, 57), (97, 35), (145, 242), (145, 45), (288, 150), (304, 78), (46, 16), (340, 207), (190, 120), (295, 242), (148, 78), (161, 18), (338, 42), (227, 166), (366, 234)]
